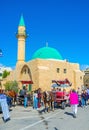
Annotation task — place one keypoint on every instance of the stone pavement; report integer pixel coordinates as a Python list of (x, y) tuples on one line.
[(29, 119), (20, 117)]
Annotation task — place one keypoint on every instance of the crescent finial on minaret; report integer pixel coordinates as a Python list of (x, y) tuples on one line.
[(46, 44)]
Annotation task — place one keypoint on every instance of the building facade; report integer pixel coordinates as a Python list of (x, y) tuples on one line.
[(86, 78)]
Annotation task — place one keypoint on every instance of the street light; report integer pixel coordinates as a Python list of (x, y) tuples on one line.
[(0, 78), (0, 52)]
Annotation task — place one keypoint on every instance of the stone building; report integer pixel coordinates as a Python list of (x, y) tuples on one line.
[(86, 78), (46, 65)]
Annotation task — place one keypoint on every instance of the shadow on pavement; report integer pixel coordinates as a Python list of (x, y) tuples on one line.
[(41, 111), (68, 113), (55, 128)]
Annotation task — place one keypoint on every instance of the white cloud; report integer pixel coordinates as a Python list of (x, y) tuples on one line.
[(84, 67), (5, 67), (1, 65)]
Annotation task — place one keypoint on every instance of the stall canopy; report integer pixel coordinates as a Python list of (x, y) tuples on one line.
[(27, 82), (54, 85), (62, 83)]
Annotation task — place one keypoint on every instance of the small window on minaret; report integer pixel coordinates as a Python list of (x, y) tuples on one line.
[(28, 71), (80, 77)]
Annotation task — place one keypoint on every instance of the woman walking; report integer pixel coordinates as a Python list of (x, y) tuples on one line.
[(74, 102)]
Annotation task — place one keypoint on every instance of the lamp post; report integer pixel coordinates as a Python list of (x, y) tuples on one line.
[(0, 78), (0, 85), (0, 52)]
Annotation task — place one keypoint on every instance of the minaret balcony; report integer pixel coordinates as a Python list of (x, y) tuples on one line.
[(21, 35)]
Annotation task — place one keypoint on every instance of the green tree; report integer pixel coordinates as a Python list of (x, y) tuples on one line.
[(5, 74), (11, 85)]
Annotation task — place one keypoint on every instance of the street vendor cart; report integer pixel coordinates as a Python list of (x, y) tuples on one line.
[(61, 98)]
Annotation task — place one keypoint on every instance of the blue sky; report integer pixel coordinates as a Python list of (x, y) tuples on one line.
[(64, 24)]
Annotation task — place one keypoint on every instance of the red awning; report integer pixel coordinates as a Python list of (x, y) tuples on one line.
[(62, 82), (27, 82)]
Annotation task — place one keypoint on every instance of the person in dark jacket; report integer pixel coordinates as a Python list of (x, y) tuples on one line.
[(83, 98)]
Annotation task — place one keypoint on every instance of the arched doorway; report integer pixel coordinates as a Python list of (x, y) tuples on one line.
[(26, 77)]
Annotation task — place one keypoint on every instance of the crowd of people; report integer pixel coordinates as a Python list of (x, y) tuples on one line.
[(76, 98), (83, 97), (34, 97)]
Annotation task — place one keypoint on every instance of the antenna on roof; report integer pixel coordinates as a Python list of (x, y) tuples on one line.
[(46, 44)]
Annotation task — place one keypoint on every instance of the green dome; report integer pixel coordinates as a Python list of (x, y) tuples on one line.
[(47, 53)]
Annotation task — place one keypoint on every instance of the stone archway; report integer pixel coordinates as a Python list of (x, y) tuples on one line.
[(25, 76), (26, 71)]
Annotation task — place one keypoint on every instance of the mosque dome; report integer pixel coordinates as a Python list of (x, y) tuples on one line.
[(47, 53)]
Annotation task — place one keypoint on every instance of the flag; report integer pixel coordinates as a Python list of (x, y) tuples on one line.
[(0, 52)]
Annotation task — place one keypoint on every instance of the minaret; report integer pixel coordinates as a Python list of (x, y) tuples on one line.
[(21, 35)]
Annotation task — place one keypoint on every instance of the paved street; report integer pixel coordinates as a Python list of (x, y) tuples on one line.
[(29, 119)]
